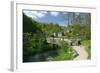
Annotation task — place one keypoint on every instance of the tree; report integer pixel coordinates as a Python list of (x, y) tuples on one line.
[(33, 38), (30, 25)]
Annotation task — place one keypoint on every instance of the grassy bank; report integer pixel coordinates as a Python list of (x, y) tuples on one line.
[(87, 44)]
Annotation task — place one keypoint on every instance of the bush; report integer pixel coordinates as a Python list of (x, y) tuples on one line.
[(33, 45), (87, 44), (65, 52)]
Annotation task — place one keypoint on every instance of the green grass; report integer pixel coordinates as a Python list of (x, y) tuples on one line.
[(65, 52), (87, 44)]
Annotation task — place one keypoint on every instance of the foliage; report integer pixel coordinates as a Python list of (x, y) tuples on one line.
[(35, 36), (87, 45), (34, 40), (30, 25), (65, 52), (46, 28), (79, 31)]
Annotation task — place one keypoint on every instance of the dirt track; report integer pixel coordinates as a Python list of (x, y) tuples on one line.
[(81, 51)]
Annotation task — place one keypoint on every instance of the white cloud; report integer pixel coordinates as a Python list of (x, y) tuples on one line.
[(54, 13), (35, 14)]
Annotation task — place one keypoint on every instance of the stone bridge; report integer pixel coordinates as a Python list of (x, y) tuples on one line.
[(72, 42)]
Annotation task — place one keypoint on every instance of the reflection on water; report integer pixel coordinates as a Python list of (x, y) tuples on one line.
[(47, 56)]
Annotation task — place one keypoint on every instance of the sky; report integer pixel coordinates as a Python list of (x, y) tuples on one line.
[(48, 16), (56, 17)]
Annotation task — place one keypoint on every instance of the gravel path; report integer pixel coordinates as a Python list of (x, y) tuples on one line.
[(81, 51)]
